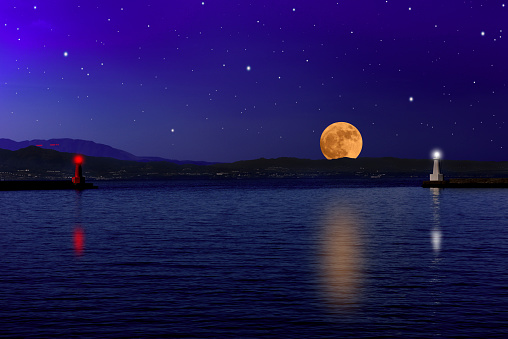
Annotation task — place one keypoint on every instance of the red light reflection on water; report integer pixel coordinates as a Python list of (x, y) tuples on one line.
[(79, 240)]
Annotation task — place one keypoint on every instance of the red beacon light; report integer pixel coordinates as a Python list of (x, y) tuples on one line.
[(78, 174), (78, 159)]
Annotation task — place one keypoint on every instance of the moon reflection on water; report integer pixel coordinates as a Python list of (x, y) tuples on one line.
[(341, 259)]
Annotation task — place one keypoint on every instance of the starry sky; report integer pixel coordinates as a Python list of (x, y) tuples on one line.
[(236, 80)]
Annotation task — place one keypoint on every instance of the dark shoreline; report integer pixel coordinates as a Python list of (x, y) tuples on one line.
[(469, 183), (26, 185)]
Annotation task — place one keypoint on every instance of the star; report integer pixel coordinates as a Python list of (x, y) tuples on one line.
[(247, 68), (66, 54)]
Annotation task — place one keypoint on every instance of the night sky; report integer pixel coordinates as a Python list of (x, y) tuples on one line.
[(237, 80)]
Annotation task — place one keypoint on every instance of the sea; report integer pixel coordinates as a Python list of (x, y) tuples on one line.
[(255, 258)]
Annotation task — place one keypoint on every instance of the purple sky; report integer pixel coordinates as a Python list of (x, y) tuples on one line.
[(237, 80)]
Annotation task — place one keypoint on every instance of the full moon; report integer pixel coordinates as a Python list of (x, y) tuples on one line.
[(340, 140)]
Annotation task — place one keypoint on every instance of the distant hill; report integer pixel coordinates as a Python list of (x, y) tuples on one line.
[(86, 147), (370, 167), (36, 162)]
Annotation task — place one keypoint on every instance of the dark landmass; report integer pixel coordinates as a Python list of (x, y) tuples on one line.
[(26, 185), (469, 183), (88, 148), (36, 163)]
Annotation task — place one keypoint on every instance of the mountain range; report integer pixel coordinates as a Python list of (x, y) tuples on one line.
[(35, 162), (86, 147)]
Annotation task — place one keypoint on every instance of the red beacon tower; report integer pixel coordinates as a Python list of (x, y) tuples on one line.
[(78, 174)]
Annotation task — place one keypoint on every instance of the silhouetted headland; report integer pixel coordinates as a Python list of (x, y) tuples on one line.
[(78, 181), (437, 179)]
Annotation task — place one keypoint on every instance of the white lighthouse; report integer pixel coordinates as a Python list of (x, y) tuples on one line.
[(436, 174)]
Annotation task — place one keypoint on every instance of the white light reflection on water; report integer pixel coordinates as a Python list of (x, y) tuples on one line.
[(436, 240), (435, 233), (436, 236), (341, 260)]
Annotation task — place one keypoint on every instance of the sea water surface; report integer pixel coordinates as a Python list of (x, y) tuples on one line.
[(254, 258)]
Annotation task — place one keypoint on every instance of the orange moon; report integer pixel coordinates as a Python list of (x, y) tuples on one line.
[(340, 140)]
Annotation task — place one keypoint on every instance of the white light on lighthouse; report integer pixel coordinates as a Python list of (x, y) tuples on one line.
[(436, 173)]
